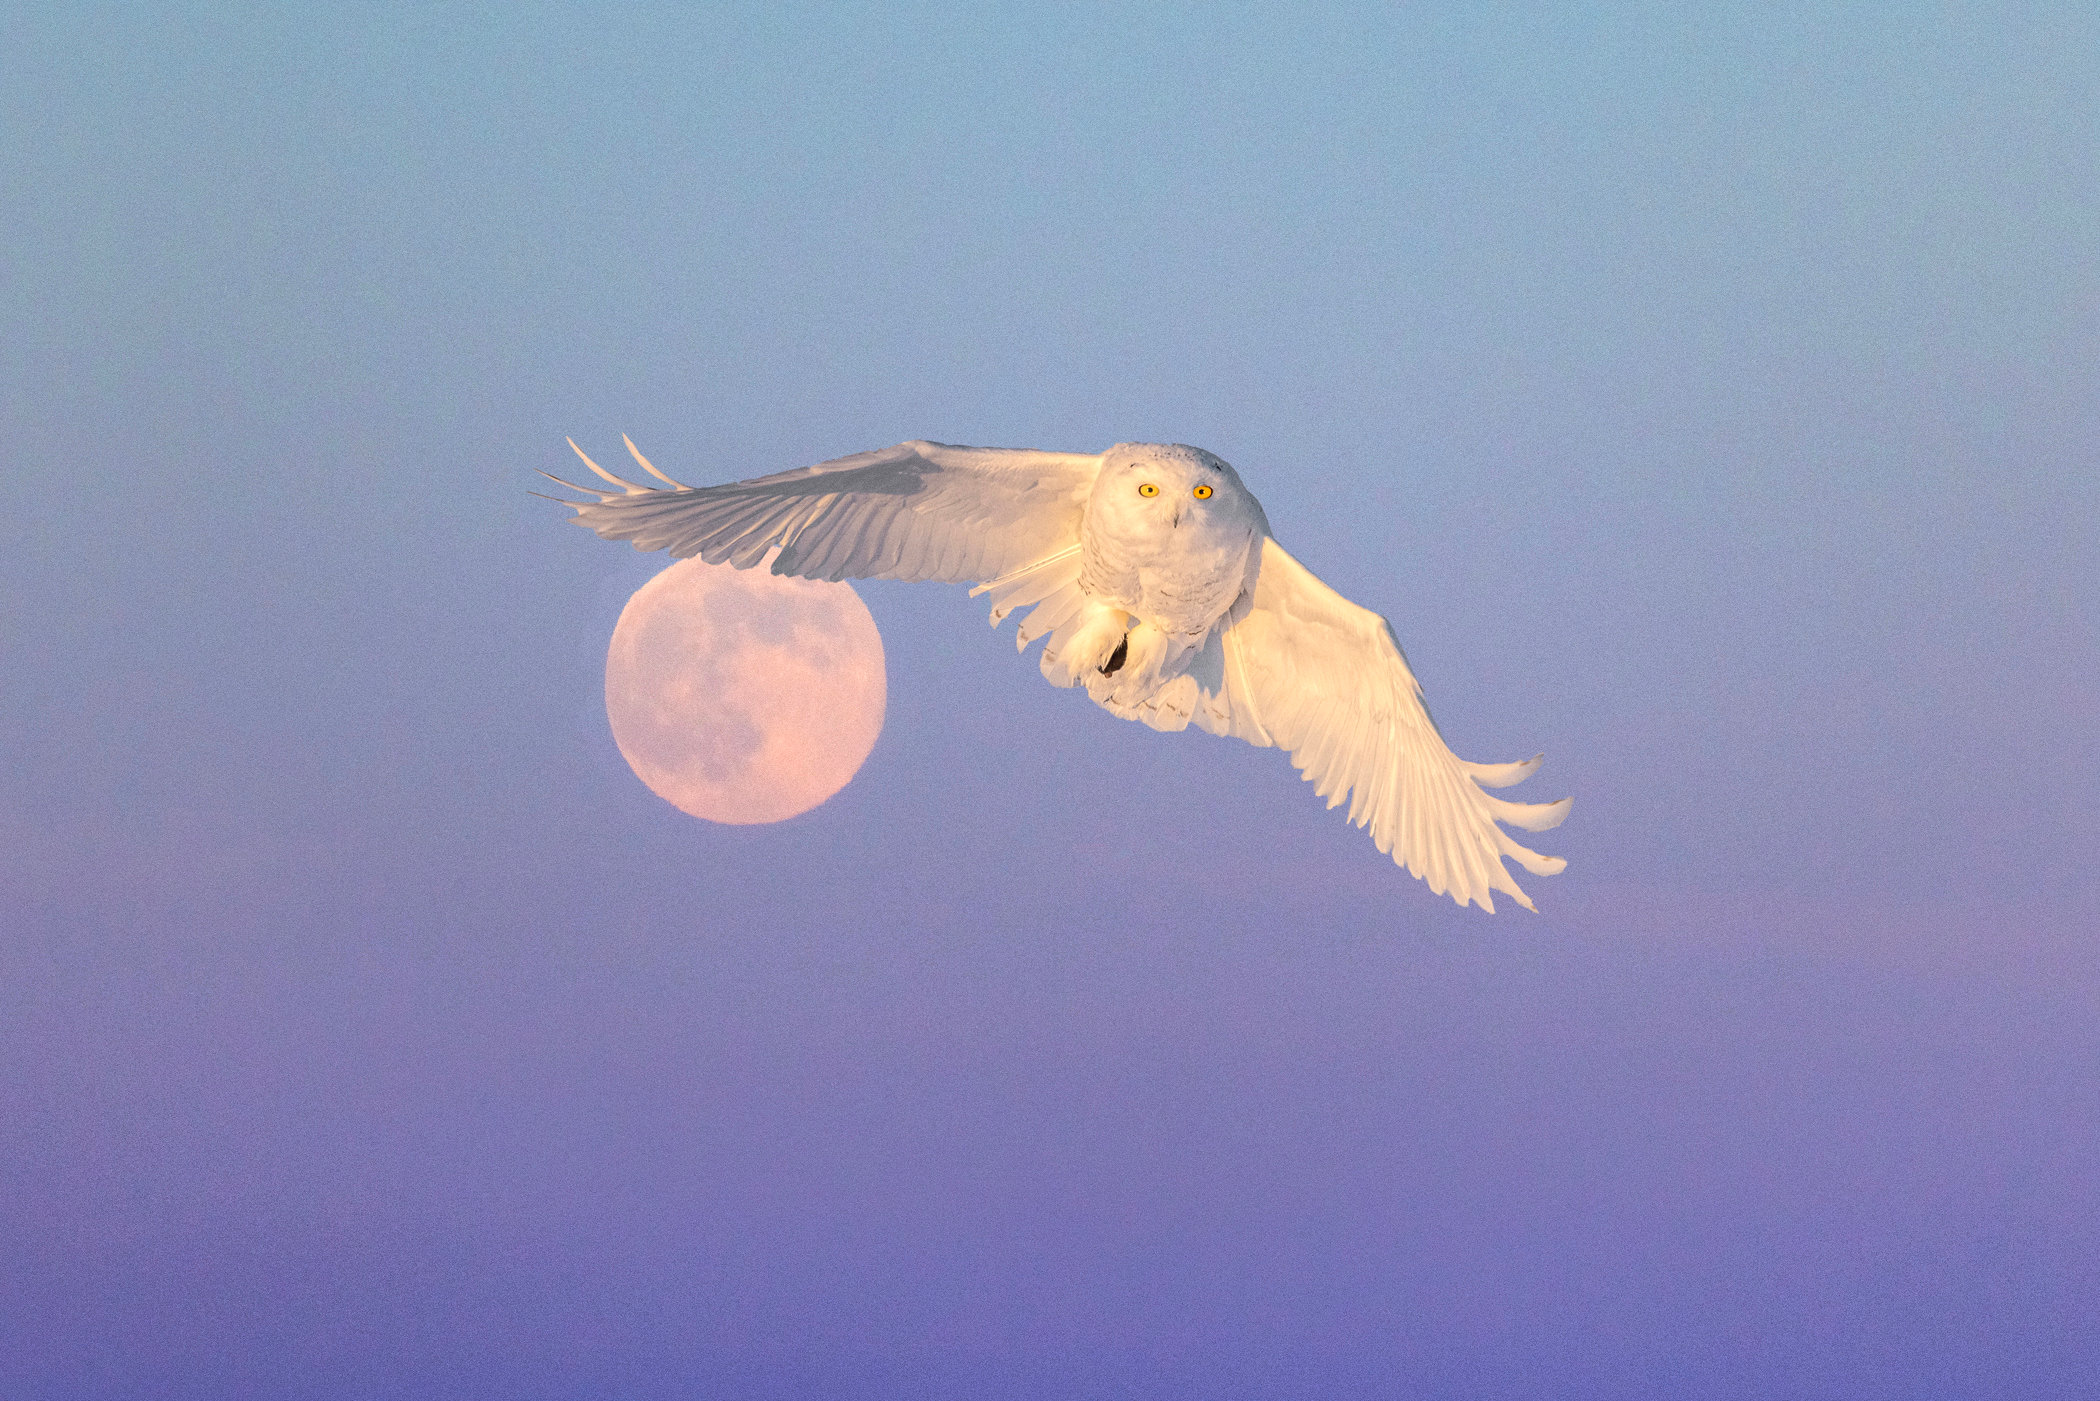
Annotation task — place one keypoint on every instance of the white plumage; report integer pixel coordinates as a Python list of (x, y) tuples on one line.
[(1150, 573)]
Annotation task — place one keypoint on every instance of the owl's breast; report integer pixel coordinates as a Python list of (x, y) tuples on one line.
[(1181, 580)]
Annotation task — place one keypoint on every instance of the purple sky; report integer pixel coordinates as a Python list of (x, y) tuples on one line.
[(1707, 397)]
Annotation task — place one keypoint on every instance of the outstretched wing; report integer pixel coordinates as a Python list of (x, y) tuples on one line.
[(1312, 673), (918, 510)]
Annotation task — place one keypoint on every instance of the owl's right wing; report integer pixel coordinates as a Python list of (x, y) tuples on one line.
[(918, 510), (1310, 672)]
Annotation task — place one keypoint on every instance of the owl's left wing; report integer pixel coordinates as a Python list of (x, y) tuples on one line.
[(918, 510), (1312, 673)]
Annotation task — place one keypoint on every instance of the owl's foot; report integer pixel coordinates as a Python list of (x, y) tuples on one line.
[(1087, 653), (1142, 660)]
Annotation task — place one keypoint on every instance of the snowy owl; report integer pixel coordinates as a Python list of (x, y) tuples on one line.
[(1150, 572)]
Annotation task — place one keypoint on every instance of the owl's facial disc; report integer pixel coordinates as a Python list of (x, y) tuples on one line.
[(1163, 486)]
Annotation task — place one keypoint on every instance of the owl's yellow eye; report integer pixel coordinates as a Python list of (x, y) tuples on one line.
[(1202, 493), (1148, 489)]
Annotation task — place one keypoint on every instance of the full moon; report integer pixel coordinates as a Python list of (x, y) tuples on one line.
[(743, 696)]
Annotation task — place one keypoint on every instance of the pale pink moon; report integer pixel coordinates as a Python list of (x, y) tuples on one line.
[(743, 696)]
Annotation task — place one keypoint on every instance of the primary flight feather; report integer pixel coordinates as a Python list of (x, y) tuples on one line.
[(1150, 573)]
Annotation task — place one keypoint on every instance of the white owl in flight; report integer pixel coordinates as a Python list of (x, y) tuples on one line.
[(1150, 571)]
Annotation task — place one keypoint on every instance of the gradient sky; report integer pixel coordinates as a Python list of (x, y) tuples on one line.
[(1706, 393)]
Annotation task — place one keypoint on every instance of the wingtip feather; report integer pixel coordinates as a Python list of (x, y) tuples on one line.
[(648, 466), (1532, 817), (1503, 775), (562, 481), (629, 487)]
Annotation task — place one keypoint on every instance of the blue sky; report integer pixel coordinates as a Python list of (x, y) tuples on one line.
[(1706, 397)]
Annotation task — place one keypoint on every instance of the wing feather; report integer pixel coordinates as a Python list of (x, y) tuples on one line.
[(919, 510), (1324, 679), (647, 465)]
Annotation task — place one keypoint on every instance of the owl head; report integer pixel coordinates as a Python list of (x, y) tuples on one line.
[(1146, 488)]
